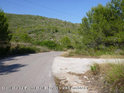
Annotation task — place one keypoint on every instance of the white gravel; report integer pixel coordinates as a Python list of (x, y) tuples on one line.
[(77, 65), (61, 67)]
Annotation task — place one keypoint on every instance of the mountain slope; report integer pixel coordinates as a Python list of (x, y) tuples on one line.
[(16, 21), (35, 29)]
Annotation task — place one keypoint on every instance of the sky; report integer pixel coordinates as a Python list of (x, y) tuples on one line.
[(67, 10)]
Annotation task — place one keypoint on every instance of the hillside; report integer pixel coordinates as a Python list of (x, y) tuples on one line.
[(35, 29), (30, 21)]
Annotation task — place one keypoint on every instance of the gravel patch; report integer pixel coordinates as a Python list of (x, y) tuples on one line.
[(69, 70)]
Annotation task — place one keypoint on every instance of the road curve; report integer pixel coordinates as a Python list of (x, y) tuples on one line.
[(28, 74)]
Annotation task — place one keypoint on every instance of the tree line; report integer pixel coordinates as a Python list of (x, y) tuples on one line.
[(103, 27)]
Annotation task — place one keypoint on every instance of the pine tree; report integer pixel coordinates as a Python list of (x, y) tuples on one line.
[(4, 34), (104, 26)]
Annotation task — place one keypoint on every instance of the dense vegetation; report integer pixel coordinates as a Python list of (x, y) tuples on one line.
[(52, 33), (103, 29), (4, 34)]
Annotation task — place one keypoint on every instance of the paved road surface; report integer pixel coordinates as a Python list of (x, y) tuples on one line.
[(28, 74)]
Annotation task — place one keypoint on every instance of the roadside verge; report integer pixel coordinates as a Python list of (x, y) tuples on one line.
[(67, 72)]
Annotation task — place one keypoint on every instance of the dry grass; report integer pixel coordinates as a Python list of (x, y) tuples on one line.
[(71, 53), (62, 88), (72, 73), (112, 56), (41, 48), (108, 78), (115, 77)]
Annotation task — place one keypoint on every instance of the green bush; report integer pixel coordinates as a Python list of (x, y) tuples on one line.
[(47, 43), (4, 35), (66, 42), (95, 68)]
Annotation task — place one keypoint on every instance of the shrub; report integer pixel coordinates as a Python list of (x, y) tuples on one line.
[(47, 43), (66, 42), (95, 68)]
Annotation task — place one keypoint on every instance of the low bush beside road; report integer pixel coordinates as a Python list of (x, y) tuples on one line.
[(106, 78), (23, 48)]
